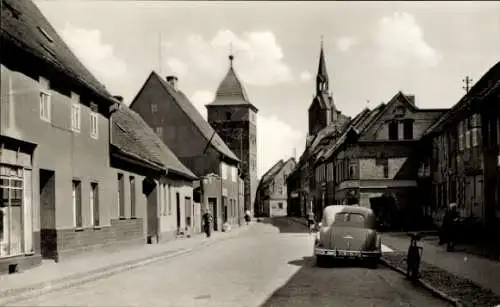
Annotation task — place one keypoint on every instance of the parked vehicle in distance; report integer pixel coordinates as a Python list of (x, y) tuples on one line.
[(348, 232)]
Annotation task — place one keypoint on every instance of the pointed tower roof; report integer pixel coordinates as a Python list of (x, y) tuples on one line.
[(231, 91), (322, 73)]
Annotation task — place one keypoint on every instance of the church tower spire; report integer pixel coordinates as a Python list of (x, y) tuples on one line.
[(322, 76)]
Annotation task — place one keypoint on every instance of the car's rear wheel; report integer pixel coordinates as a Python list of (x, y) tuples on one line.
[(373, 262), (321, 260)]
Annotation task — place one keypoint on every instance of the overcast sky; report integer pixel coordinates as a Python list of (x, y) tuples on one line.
[(373, 50)]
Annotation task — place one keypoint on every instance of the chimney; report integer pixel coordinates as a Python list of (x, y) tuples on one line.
[(172, 80), (119, 98), (411, 98)]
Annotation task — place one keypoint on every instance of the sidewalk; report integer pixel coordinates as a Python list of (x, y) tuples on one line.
[(465, 276), (90, 266), (482, 271)]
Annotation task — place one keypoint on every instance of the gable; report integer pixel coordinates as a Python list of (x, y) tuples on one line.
[(398, 108), (188, 132)]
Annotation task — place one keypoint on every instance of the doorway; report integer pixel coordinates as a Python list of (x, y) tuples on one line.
[(178, 209), (212, 205), (48, 233), (224, 206), (187, 211), (149, 190)]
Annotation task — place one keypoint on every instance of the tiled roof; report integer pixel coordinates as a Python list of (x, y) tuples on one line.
[(358, 124), (330, 131), (132, 135), (273, 170), (197, 119), (24, 26), (231, 91), (489, 83)]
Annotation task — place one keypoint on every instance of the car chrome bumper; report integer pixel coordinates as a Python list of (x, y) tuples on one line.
[(345, 253)]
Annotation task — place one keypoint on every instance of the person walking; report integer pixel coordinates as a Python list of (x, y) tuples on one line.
[(248, 216), (207, 223), (448, 228), (310, 220)]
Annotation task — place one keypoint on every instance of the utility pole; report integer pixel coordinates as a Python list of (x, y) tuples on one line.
[(468, 82), (160, 51)]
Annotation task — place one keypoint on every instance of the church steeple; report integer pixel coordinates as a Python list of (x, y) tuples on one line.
[(322, 76)]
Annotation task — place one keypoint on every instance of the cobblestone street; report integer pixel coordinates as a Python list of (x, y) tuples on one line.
[(269, 265)]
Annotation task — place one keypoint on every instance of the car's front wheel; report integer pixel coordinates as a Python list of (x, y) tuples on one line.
[(321, 260)]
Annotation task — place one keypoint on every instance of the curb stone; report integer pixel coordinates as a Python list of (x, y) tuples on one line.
[(456, 302), (10, 296)]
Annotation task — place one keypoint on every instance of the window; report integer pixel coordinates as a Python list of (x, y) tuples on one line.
[(349, 219), (132, 197), (159, 131), (234, 173), (154, 108), (280, 189), (164, 196), (47, 36), (169, 200), (228, 115), (121, 197), (77, 203), (223, 169), (94, 204), (11, 211), (408, 129), (467, 139), (475, 137), (498, 130), (393, 131), (94, 121), (75, 112), (280, 205), (45, 103), (352, 171), (461, 140)]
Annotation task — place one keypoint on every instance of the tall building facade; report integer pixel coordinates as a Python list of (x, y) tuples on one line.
[(233, 117)]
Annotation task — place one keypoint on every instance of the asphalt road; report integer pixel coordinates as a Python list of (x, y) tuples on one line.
[(269, 265)]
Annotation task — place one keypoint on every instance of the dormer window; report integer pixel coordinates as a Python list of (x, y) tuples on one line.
[(47, 36)]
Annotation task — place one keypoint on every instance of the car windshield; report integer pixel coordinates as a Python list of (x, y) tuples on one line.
[(349, 219)]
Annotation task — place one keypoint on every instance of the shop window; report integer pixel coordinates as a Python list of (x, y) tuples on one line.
[(11, 211)]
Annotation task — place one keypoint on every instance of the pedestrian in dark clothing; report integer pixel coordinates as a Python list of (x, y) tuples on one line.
[(207, 224), (448, 228)]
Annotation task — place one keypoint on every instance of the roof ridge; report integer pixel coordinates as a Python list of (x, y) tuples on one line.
[(24, 32), (214, 139)]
